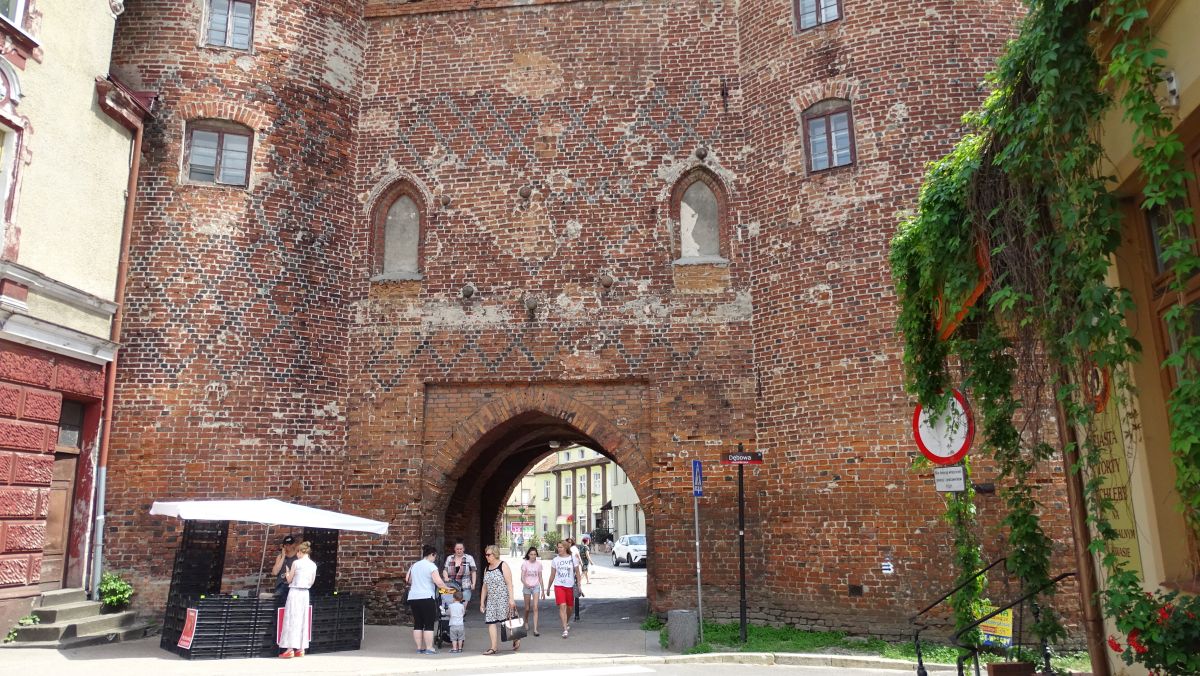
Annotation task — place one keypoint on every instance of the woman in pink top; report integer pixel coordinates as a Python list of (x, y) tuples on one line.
[(531, 580)]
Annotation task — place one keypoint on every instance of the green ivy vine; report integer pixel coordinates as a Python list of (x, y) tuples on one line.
[(1025, 188)]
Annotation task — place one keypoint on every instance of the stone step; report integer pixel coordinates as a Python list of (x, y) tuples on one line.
[(68, 611), (58, 631), (60, 597), (133, 632)]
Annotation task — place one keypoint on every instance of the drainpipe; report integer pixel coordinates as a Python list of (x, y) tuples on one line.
[(1093, 619), (130, 111)]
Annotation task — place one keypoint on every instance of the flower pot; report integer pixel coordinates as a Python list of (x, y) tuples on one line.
[(1011, 669)]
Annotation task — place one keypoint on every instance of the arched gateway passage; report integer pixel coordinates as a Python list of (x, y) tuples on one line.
[(468, 480)]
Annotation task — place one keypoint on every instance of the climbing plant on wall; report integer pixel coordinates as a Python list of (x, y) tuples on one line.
[(1002, 275)]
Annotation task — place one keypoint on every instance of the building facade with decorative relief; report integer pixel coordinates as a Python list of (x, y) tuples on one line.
[(68, 140), (385, 253)]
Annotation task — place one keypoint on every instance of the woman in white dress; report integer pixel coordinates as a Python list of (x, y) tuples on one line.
[(300, 578)]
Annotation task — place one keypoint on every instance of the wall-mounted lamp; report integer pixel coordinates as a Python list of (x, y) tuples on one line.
[(553, 444)]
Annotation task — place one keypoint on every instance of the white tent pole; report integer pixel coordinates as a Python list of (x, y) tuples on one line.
[(262, 562)]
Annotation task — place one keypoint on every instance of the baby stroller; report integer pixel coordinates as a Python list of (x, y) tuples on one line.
[(442, 636)]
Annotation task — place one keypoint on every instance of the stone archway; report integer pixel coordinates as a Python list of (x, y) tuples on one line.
[(466, 478)]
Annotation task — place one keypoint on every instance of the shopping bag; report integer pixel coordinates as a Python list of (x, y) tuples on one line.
[(513, 629)]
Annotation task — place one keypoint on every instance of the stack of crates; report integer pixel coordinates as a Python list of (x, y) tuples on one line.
[(199, 565), (337, 623), (230, 626)]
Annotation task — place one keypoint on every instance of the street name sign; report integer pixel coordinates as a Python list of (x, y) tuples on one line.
[(742, 458)]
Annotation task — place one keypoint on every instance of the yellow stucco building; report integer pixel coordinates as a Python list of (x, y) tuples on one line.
[(69, 138), (1139, 470)]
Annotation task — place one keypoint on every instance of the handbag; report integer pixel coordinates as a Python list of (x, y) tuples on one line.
[(513, 629)]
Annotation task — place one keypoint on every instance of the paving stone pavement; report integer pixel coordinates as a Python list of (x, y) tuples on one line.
[(607, 633)]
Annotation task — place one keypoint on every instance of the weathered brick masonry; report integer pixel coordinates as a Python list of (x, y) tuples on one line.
[(543, 144)]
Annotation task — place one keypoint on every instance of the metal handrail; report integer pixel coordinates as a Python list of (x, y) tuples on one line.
[(919, 627), (974, 650)]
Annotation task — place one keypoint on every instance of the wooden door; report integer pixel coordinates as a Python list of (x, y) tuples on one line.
[(58, 521)]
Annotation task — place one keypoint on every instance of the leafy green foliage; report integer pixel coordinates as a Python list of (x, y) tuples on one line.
[(652, 622), (27, 621), (725, 637), (552, 539), (1025, 185), (115, 592)]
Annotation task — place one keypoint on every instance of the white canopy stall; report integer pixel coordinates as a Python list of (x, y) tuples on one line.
[(241, 620), (269, 511)]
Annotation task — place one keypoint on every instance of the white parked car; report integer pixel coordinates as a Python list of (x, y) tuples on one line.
[(630, 549)]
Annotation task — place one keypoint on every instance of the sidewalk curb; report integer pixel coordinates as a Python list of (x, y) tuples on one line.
[(803, 660)]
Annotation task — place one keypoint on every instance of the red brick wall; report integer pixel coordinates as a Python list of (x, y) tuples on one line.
[(232, 375), (545, 141), (836, 497)]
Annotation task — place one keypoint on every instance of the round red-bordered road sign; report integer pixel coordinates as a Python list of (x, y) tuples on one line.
[(945, 438)]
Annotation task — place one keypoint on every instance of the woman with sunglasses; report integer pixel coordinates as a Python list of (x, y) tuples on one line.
[(499, 600)]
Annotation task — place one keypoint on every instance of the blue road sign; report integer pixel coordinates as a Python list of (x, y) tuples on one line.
[(697, 480)]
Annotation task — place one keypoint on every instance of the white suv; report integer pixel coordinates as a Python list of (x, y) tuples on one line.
[(630, 549)]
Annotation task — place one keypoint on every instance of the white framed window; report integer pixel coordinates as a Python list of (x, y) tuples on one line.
[(546, 490), (14, 11), (526, 496), (218, 152), (829, 133), (583, 484), (597, 482), (230, 23), (812, 13), (11, 131), (545, 524), (566, 487)]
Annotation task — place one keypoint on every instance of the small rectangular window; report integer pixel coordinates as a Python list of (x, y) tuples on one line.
[(70, 425), (546, 490), (811, 13), (217, 154), (567, 487), (231, 23), (583, 485), (830, 140), (596, 483)]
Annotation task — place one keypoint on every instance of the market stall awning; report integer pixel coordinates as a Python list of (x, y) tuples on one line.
[(269, 511), (563, 518)]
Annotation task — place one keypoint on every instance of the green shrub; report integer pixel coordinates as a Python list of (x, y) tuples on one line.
[(115, 592), (652, 622), (552, 538)]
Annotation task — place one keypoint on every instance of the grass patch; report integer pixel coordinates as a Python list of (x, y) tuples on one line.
[(652, 622), (720, 637)]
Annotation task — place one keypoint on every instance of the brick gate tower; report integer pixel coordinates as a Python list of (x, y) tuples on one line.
[(387, 252)]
